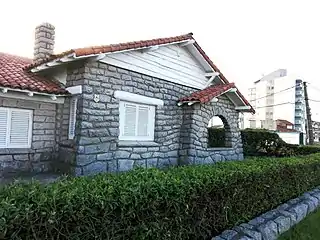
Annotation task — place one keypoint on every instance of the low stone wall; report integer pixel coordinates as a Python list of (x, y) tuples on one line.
[(272, 224)]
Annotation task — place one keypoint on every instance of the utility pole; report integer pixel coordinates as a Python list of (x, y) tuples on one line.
[(308, 111)]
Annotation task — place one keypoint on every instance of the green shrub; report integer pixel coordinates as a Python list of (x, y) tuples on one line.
[(261, 142), (216, 137), (190, 202)]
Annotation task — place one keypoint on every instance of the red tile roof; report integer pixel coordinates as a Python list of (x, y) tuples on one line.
[(207, 94), (12, 75), (284, 122), (115, 48), (282, 126), (138, 44)]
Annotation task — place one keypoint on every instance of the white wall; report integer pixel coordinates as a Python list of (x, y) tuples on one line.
[(171, 62), (290, 137), (285, 111)]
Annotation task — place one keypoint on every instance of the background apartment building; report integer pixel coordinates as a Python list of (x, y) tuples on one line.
[(276, 96)]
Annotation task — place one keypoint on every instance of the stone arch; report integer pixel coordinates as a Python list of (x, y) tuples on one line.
[(219, 136), (229, 119)]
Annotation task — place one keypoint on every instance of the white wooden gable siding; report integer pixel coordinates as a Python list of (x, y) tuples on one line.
[(172, 63)]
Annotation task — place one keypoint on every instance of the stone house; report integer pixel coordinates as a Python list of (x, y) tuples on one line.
[(114, 107)]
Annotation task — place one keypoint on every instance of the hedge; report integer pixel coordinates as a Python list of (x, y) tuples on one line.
[(189, 202), (261, 142)]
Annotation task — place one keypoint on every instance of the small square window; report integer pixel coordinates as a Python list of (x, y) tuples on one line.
[(136, 121)]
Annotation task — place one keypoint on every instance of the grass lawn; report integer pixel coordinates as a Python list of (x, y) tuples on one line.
[(307, 229)]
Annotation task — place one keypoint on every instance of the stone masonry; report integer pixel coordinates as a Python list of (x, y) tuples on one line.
[(40, 156), (194, 134), (44, 41), (270, 225), (180, 132)]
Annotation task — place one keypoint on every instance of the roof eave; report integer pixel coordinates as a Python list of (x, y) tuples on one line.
[(73, 56)]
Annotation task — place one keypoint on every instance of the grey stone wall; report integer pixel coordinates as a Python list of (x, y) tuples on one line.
[(66, 148), (40, 156), (98, 147), (194, 133)]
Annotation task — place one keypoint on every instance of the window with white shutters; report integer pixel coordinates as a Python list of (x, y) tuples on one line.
[(136, 121), (3, 127), (72, 117), (15, 128)]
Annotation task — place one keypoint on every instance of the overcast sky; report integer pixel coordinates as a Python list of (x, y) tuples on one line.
[(245, 39)]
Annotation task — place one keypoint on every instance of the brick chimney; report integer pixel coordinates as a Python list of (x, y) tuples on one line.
[(44, 42)]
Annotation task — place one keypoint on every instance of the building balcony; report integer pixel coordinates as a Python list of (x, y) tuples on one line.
[(299, 93), (298, 115), (299, 107)]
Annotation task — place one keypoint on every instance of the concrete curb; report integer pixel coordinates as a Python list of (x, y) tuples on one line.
[(272, 224)]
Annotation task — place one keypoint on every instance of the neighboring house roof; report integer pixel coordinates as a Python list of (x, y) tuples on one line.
[(284, 129), (282, 121), (13, 75), (207, 94), (113, 48), (282, 126)]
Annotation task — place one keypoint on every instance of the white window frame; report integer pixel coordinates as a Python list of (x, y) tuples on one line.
[(138, 100), (72, 116), (151, 122), (9, 114)]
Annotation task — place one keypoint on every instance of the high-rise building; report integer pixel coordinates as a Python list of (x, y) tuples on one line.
[(276, 96), (299, 111)]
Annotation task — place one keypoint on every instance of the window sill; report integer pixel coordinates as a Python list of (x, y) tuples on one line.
[(137, 144)]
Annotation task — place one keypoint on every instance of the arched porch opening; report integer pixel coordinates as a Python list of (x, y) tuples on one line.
[(219, 133)]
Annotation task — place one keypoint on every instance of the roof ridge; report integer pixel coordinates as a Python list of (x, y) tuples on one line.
[(113, 47)]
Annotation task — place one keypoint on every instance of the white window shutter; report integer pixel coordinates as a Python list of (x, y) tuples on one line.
[(143, 120), (130, 119), (136, 121), (3, 127), (20, 128), (72, 117)]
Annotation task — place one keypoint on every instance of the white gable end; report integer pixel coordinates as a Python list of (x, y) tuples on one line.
[(171, 62)]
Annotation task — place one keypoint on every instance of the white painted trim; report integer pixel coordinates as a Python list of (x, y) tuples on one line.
[(191, 41), (72, 117), (35, 98), (75, 89), (132, 97), (150, 49), (192, 102), (209, 82), (73, 57), (210, 74), (97, 58), (5, 93), (243, 108), (151, 123), (9, 118), (232, 90)]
